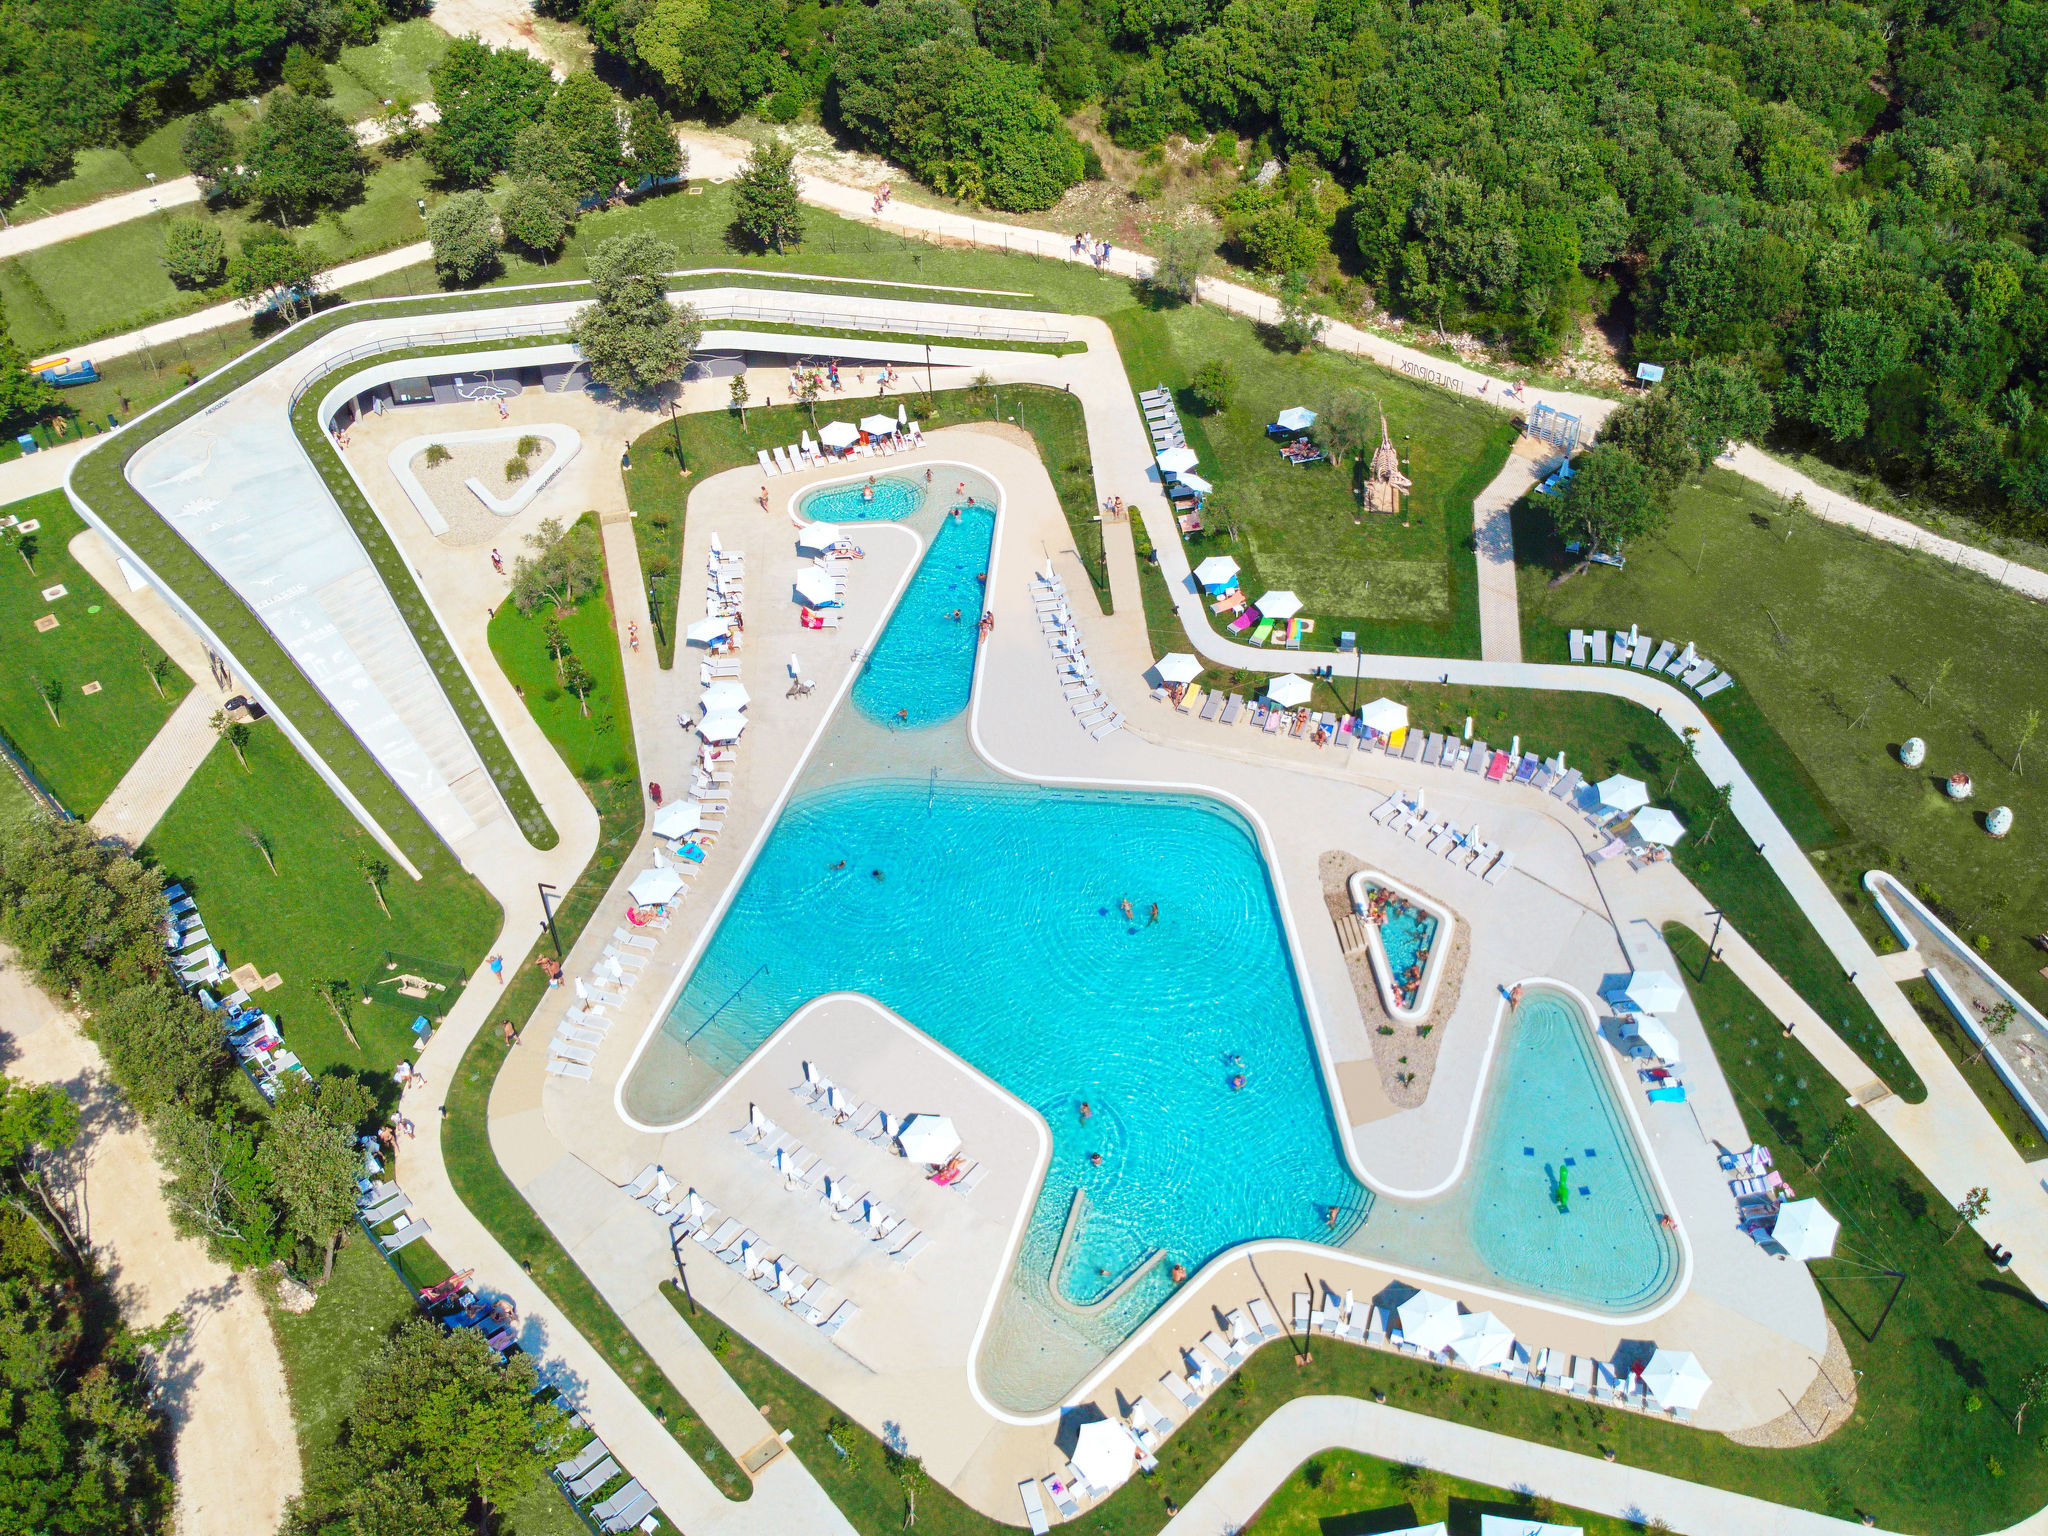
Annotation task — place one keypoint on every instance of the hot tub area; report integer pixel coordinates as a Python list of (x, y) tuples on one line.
[(1408, 938)]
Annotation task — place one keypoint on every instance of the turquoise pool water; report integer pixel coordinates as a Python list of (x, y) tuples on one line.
[(922, 668), (1407, 934), (895, 497)]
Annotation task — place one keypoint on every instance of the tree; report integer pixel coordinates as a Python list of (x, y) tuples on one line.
[(464, 232), (563, 566), (35, 1119), (2030, 722), (1723, 403), (652, 138), (766, 199), (738, 396), (156, 666), (2033, 1387), (578, 683), (24, 395), (1299, 327), (913, 1479), (1658, 435), (304, 73), (339, 994), (302, 156), (484, 97), (234, 732), (274, 272), (1832, 1136), (219, 1189), (309, 1148), (51, 691), (1689, 750), (195, 253), (1724, 799), (1182, 255), (258, 839), (1972, 1207), (634, 339), (1610, 499), (1997, 1020), (807, 389), (209, 151), (375, 873), (1212, 385), (584, 115), (1343, 425), (26, 545), (537, 216)]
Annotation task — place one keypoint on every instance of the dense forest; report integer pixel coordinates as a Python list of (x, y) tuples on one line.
[(1847, 198)]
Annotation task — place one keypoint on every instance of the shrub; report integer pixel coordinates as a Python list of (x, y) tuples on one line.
[(1212, 386), (436, 454), (528, 446), (195, 253), (515, 468)]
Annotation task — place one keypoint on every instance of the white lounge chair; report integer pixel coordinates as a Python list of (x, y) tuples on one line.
[(1500, 867), (562, 1050), (559, 1068), (1222, 1349), (1269, 1325), (1034, 1507), (1186, 1395)]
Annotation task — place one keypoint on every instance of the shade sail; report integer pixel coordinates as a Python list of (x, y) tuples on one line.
[(817, 589), (1177, 460), (1216, 571), (1278, 605), (1622, 793), (1178, 667), (1805, 1230), (839, 434), (653, 887), (1675, 1378), (678, 818), (1384, 716), (1429, 1321), (928, 1138), (1655, 825), (1288, 690), (817, 538), (1296, 418)]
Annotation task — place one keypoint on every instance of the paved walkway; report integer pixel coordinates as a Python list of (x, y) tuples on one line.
[(55, 228), (220, 1383), (156, 778), (1493, 540)]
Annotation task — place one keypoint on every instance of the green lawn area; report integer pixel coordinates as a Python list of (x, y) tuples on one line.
[(80, 755), (1405, 584), (317, 918), (1341, 1493), (393, 68), (1835, 640), (595, 738), (103, 171), (714, 441)]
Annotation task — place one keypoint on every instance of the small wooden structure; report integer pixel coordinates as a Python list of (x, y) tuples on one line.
[(1384, 482)]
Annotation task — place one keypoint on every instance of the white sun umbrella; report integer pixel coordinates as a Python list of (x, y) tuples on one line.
[(816, 588), (902, 416), (1659, 826), (1194, 482), (1429, 1321), (1805, 1230), (839, 434), (1485, 1340), (804, 437), (878, 426), (1278, 605), (652, 887), (1652, 992), (1289, 690), (1296, 418), (725, 694), (1658, 1040), (816, 538), (1675, 1378), (726, 725), (1105, 1454), (1622, 793), (1178, 667), (928, 1138), (704, 631), (1384, 716), (1216, 571), (679, 818), (1178, 460)]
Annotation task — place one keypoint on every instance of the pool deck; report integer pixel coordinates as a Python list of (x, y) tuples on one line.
[(1753, 1322)]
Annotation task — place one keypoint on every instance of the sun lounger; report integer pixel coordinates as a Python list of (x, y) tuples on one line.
[(1525, 770), (1708, 690), (1302, 1300), (567, 1031), (718, 1241), (1149, 1422), (1498, 769), (1664, 654), (843, 1314), (587, 1482), (1184, 1394), (1222, 1349), (1698, 673), (582, 1461), (1063, 1497), (628, 1507), (1388, 808), (1568, 786), (560, 1068), (1501, 866), (562, 1050), (917, 1244), (1204, 1370), (767, 464), (1353, 1327), (1113, 724), (1269, 1325), (1681, 663), (1477, 859), (1411, 749), (1480, 757), (1034, 1507), (1211, 705), (1578, 644), (411, 1232), (1443, 837), (1415, 829)]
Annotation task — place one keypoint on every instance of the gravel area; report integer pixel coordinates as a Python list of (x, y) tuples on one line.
[(1824, 1407), (471, 524)]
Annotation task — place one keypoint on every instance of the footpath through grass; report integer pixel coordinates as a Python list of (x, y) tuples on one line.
[(715, 441), (1845, 647), (1403, 584), (316, 918), (80, 752)]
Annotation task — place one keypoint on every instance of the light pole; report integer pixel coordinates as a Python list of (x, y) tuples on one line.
[(676, 427), (548, 916)]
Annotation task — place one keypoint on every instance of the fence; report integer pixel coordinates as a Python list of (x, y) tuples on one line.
[(417, 341)]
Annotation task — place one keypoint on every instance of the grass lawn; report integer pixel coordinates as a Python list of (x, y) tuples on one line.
[(79, 756), (714, 441), (1411, 588), (393, 68), (317, 918), (326, 1349), (596, 737), (1341, 1493), (1983, 1078), (1836, 639)]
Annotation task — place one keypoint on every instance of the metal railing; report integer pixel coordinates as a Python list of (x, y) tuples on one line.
[(416, 341)]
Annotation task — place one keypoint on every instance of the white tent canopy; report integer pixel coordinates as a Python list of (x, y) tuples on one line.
[(1485, 1340), (1429, 1321), (704, 631), (1105, 1454), (1650, 992), (1659, 826), (725, 694), (1658, 1040), (1384, 716), (678, 818), (1278, 605), (1622, 793), (653, 887), (1805, 1230), (1194, 482), (1178, 667), (1296, 418), (878, 426), (816, 538), (1289, 690), (928, 1138), (839, 434), (1176, 460), (1216, 571), (726, 725), (816, 588), (1675, 1379)]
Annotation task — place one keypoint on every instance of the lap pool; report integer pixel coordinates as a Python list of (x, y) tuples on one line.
[(992, 916)]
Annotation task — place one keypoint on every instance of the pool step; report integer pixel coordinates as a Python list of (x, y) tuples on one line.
[(1351, 933)]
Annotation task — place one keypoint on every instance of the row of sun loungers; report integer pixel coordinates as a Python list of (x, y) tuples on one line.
[(1162, 420), (592, 1468), (1404, 813), (1630, 648), (620, 965), (805, 1173), (1091, 707), (833, 1104)]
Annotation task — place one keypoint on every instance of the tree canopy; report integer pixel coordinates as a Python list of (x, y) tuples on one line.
[(634, 338)]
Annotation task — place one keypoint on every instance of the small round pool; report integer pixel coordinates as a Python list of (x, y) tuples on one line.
[(879, 499)]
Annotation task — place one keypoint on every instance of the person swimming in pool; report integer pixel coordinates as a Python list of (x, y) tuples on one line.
[(1086, 1111), (903, 715), (956, 615), (1237, 1083), (1178, 1273), (840, 865), (1095, 1158), (927, 474), (867, 493), (876, 873), (1154, 916), (1129, 916)]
